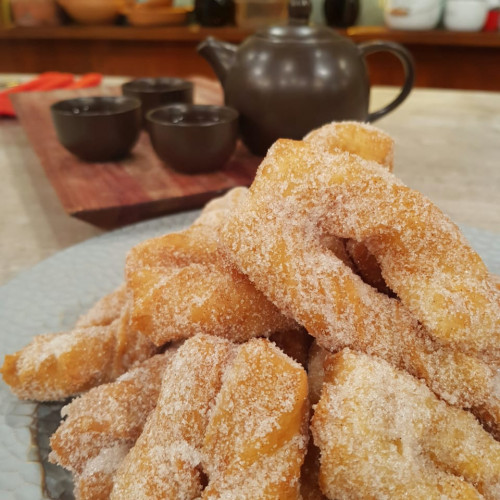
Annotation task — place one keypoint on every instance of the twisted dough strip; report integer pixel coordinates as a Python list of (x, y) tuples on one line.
[(274, 238), (424, 258), (371, 144), (181, 286), (164, 462), (383, 434), (357, 138), (56, 366), (237, 413), (102, 425), (105, 310), (256, 438)]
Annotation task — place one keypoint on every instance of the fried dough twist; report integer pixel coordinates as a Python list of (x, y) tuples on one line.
[(101, 348), (237, 413), (181, 286), (256, 439), (383, 434), (275, 237), (102, 425), (165, 461)]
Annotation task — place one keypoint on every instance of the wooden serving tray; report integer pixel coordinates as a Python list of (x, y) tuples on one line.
[(135, 188)]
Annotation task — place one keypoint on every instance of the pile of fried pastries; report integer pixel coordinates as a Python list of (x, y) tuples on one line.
[(327, 333)]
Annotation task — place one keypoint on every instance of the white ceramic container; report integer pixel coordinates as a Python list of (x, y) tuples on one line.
[(412, 14), (465, 15)]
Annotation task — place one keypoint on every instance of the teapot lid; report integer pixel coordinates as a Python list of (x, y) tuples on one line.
[(298, 28)]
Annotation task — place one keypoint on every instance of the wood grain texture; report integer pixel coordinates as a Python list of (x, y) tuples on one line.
[(138, 187), (444, 59)]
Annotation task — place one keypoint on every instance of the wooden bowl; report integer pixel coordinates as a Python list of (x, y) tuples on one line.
[(91, 12), (159, 16)]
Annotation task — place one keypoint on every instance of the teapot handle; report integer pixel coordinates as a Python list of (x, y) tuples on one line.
[(408, 65)]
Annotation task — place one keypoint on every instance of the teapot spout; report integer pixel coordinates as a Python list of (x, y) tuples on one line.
[(220, 55)]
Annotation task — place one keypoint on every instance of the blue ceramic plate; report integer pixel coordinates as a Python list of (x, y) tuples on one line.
[(49, 297)]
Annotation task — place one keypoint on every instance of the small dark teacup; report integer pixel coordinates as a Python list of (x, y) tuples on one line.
[(155, 92), (193, 138), (97, 129)]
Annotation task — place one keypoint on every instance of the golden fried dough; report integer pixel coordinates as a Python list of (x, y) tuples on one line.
[(95, 482), (383, 434), (55, 366), (361, 139), (424, 258), (256, 438), (182, 286), (275, 237), (165, 461), (371, 144), (109, 415), (105, 310)]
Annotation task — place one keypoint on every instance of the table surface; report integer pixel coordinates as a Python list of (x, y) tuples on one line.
[(447, 146)]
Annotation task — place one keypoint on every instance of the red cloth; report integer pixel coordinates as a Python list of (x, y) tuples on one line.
[(44, 82)]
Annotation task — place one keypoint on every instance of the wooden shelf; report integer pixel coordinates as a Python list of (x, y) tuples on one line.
[(191, 33), (432, 37), (443, 59), (231, 33)]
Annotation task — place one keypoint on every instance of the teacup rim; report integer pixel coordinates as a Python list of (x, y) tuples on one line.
[(233, 114), (182, 84), (134, 104)]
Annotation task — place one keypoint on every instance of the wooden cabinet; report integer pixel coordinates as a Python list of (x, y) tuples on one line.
[(443, 59)]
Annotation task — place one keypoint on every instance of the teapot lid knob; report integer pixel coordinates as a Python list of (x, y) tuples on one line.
[(299, 11)]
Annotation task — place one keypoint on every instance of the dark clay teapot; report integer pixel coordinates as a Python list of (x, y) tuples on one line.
[(288, 80)]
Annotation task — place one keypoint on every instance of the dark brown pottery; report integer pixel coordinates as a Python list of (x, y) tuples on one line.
[(97, 129), (193, 138), (288, 80), (156, 92)]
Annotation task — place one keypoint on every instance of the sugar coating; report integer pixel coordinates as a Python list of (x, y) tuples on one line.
[(96, 480), (275, 237), (109, 415), (181, 286), (362, 139), (164, 462), (370, 143), (424, 258), (256, 438), (55, 366), (105, 310), (383, 434)]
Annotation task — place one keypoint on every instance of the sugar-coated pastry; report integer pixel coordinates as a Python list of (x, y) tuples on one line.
[(383, 434), (182, 286), (362, 139), (56, 366), (105, 310), (256, 438), (165, 461), (275, 237), (109, 415), (372, 144)]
